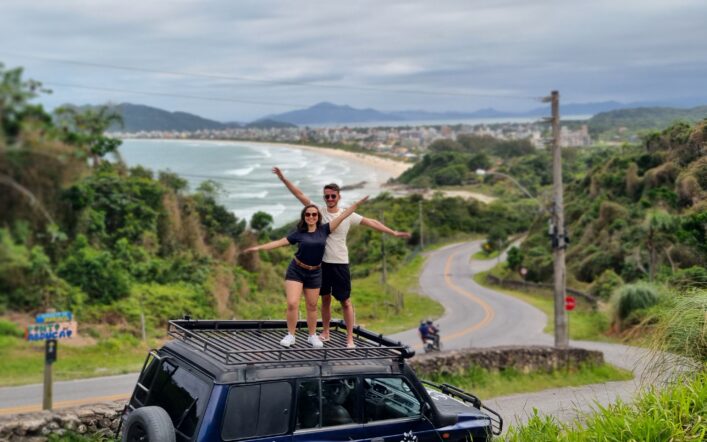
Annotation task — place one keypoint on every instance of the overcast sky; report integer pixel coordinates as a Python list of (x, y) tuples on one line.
[(240, 60)]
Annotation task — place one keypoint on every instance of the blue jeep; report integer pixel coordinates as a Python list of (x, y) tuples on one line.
[(232, 381)]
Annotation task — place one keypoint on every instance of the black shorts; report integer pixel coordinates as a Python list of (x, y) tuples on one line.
[(336, 281), (310, 279)]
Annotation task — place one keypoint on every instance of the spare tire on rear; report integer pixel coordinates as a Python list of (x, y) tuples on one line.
[(149, 424)]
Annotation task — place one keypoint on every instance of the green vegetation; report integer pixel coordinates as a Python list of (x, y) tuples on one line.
[(112, 244), (629, 300), (681, 328), (606, 124), (585, 323), (639, 212), (674, 413), (23, 363), (455, 162), (489, 384), (483, 255)]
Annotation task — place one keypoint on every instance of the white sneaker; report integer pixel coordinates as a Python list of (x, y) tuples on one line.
[(315, 341), (288, 340)]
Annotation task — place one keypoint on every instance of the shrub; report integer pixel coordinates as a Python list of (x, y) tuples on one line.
[(514, 258), (605, 284), (8, 328), (96, 272), (631, 298), (450, 175)]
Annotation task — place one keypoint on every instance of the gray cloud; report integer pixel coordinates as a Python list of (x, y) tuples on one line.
[(629, 50)]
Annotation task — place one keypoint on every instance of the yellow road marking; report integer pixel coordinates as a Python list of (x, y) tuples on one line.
[(64, 404), (489, 312)]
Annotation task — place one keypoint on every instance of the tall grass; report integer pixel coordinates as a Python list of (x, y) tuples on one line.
[(672, 411), (631, 298), (678, 413), (682, 329)]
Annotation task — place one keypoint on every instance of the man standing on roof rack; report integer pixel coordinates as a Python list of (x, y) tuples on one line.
[(336, 277), (305, 270)]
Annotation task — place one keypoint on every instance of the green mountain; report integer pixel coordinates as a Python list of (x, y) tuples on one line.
[(644, 118), (138, 117)]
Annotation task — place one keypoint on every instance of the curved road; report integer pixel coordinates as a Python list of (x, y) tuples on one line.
[(474, 316), (480, 317)]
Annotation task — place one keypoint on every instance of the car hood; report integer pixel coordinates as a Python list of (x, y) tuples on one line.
[(449, 407)]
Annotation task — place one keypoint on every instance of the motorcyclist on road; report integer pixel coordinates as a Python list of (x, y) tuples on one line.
[(428, 332), (434, 332)]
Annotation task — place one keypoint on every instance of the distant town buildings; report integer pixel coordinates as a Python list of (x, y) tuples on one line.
[(403, 141), (575, 138)]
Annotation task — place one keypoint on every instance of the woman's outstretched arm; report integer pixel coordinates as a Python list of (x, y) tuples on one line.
[(269, 245), (333, 224)]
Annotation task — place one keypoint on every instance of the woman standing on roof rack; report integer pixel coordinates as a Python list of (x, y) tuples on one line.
[(305, 270)]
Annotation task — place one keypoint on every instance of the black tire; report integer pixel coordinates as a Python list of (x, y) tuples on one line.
[(148, 424)]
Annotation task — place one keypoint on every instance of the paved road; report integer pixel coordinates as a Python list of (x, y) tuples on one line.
[(474, 316), (480, 317)]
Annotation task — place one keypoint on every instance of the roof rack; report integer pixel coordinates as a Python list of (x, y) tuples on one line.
[(258, 342)]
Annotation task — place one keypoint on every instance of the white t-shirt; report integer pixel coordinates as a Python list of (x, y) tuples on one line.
[(336, 251)]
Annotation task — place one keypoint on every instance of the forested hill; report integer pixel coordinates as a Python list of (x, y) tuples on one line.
[(138, 117), (644, 118), (639, 213)]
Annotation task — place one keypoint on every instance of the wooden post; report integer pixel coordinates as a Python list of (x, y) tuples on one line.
[(561, 328), (50, 350)]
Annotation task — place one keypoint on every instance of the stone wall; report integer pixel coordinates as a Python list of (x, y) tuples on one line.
[(102, 419), (523, 359), (94, 419)]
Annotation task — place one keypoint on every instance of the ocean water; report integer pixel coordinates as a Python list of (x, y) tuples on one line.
[(244, 171)]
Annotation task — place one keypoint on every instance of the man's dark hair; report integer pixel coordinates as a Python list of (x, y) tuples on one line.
[(333, 186)]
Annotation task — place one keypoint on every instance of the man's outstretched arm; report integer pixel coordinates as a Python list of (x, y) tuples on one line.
[(304, 199), (377, 225)]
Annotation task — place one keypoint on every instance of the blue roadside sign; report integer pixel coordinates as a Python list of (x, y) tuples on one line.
[(54, 317)]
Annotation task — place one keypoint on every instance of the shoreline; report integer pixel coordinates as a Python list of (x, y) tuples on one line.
[(390, 167)]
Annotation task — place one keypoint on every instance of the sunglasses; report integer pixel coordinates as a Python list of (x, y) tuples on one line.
[(311, 214), (330, 196)]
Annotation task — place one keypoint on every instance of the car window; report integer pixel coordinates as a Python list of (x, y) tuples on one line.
[(308, 404), (146, 379), (182, 394), (257, 410), (338, 401), (326, 403), (389, 398)]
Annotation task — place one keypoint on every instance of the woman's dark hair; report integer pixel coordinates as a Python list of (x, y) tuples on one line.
[(301, 225)]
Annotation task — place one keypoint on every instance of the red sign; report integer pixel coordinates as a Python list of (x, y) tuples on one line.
[(569, 303)]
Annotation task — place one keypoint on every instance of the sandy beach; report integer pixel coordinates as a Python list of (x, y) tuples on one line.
[(389, 168)]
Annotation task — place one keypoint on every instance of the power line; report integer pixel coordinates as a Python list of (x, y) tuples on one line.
[(269, 81), (167, 94)]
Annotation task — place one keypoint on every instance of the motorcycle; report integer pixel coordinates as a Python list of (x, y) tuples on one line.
[(434, 344)]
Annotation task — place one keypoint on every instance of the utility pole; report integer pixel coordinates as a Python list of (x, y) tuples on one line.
[(384, 272), (422, 241), (557, 229)]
